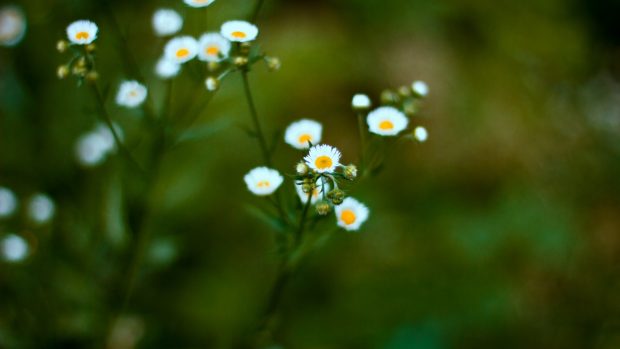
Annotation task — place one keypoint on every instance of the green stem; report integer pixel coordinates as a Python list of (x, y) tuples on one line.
[(256, 10), (302, 221), (257, 127), (362, 131)]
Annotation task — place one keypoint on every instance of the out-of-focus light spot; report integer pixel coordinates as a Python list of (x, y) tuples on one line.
[(420, 134), (14, 248), (93, 147), (12, 26), (8, 202), (41, 209), (420, 87)]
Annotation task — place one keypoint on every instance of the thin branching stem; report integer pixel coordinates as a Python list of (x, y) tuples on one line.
[(257, 127), (362, 131), (256, 11), (302, 221)]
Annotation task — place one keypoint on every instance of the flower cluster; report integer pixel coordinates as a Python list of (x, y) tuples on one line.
[(81, 36)]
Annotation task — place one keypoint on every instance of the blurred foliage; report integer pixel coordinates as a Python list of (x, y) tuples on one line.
[(501, 231)]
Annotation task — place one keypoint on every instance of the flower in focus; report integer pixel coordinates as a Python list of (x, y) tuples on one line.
[(8, 202), (360, 101), (131, 94), (386, 121), (14, 248), (351, 214), (420, 87), (301, 133), (181, 49), (41, 209), (263, 181), (167, 22), (239, 31), (317, 193), (12, 26), (213, 47), (166, 68), (82, 32), (198, 3), (420, 134), (323, 158)]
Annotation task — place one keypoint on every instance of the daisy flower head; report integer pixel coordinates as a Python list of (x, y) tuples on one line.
[(301, 133), (323, 158), (8, 202), (351, 214), (131, 94), (317, 193), (181, 49), (213, 47), (263, 181), (166, 68), (167, 22), (386, 121), (198, 3), (239, 31), (82, 32), (12, 26)]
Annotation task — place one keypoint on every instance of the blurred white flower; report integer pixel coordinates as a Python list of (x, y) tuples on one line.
[(239, 31), (166, 68), (181, 49), (167, 22), (8, 202), (213, 47), (323, 158), (212, 83), (351, 214), (12, 26), (41, 209), (263, 181), (386, 121), (361, 101), (82, 32), (131, 94), (299, 133), (420, 87), (14, 248), (92, 148), (420, 134), (198, 3)]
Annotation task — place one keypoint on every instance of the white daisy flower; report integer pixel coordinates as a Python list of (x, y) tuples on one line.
[(12, 26), (181, 49), (420, 87), (361, 101), (14, 248), (213, 47), (299, 133), (166, 68), (82, 32), (263, 181), (239, 31), (351, 214), (316, 194), (323, 158), (420, 134), (167, 22), (198, 3), (131, 94), (8, 202), (41, 209), (386, 121)]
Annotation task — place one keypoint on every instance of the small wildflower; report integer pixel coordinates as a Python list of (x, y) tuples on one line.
[(323, 158), (350, 172), (213, 47), (198, 3), (82, 32), (263, 181), (420, 88), (181, 49), (316, 193), (12, 26), (336, 196), (8, 202), (166, 68), (41, 209), (351, 214), (14, 248), (212, 83), (167, 22), (360, 102), (131, 94), (420, 134), (302, 169), (323, 207), (386, 121), (301, 133), (239, 31)]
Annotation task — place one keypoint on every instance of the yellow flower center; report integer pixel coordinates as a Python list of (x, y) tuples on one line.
[(82, 35), (348, 217), (238, 34), (263, 184), (386, 125), (212, 50), (304, 139), (323, 162), (133, 93), (182, 53)]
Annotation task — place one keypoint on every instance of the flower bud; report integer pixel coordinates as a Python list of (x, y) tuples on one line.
[(410, 108), (62, 46), (90, 48), (62, 71), (389, 97), (240, 61), (308, 185), (404, 91), (420, 88), (273, 63), (350, 172), (360, 102), (213, 66), (322, 207), (336, 196), (81, 63), (420, 134), (244, 48), (212, 83), (302, 168), (92, 76)]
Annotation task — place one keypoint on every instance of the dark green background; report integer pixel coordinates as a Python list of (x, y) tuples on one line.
[(502, 231)]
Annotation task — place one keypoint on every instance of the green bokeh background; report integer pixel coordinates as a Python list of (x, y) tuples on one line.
[(503, 230)]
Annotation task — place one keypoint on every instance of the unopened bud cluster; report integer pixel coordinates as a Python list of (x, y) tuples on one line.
[(81, 65)]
